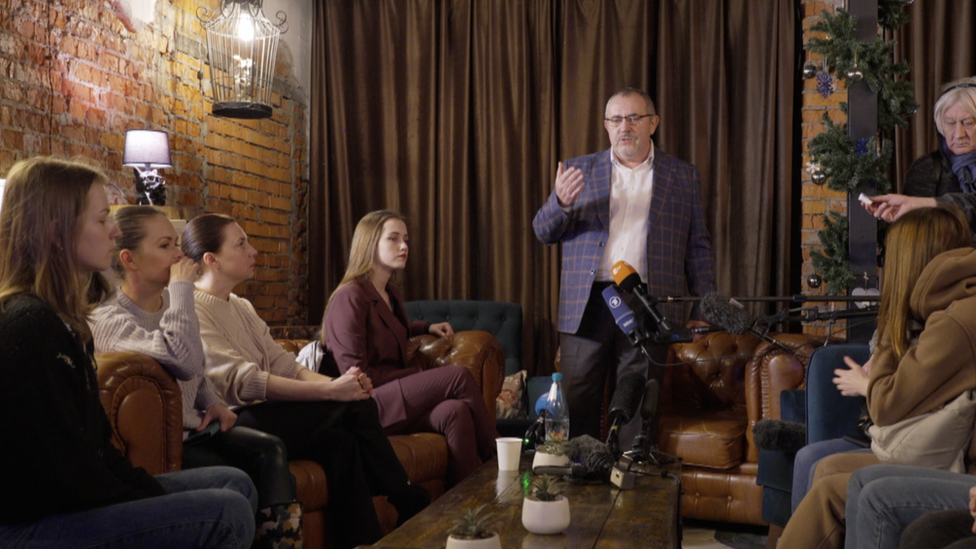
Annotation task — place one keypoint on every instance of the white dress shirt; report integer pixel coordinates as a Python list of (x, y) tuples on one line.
[(630, 206)]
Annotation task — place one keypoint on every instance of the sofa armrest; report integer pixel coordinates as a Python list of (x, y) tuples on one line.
[(144, 404), (476, 350), (770, 372)]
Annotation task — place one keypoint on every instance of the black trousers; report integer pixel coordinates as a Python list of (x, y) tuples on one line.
[(262, 456), (598, 346), (346, 439)]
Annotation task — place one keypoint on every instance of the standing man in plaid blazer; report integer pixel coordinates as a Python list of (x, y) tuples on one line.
[(630, 203)]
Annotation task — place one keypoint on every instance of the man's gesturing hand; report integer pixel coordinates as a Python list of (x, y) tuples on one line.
[(569, 184)]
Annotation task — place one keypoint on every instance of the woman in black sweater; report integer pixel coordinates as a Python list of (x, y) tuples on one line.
[(63, 481)]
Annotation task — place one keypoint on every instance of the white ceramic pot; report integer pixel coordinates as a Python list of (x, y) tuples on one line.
[(494, 542), (545, 517)]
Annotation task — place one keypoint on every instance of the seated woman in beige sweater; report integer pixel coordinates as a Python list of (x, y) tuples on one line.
[(332, 421), (152, 313)]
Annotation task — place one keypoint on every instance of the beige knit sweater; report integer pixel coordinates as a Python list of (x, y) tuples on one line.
[(239, 348)]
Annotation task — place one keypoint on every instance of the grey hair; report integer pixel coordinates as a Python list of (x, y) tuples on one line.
[(624, 92), (961, 92)]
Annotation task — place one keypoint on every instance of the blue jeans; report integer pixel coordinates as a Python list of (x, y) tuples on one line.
[(882, 500), (212, 508), (806, 462)]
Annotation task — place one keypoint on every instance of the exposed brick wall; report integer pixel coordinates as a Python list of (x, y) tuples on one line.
[(816, 200), (76, 74)]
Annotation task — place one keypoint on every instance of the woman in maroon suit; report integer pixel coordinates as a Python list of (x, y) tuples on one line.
[(366, 327)]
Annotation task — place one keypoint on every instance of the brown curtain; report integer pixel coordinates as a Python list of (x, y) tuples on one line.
[(940, 43), (456, 113)]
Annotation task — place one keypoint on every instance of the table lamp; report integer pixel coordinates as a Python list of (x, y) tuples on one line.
[(146, 151)]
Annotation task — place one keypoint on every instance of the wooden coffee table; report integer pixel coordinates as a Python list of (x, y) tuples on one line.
[(602, 516)]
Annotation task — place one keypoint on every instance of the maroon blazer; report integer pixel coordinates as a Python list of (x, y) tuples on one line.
[(360, 330)]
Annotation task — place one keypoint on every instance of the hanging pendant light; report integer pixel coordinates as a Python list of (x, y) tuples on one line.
[(242, 46)]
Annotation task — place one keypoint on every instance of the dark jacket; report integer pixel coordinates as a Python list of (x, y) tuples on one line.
[(57, 452), (361, 330), (931, 175)]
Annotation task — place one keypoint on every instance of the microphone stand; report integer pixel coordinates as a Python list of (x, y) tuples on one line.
[(795, 298)]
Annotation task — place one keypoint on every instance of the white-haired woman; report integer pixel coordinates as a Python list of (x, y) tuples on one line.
[(946, 175)]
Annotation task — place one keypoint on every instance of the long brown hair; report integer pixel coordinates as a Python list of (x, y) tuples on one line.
[(912, 242), (42, 206), (204, 233), (362, 253)]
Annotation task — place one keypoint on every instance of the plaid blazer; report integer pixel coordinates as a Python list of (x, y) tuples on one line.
[(679, 248)]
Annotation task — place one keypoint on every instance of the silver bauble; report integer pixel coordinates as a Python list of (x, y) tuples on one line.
[(855, 75), (814, 281), (809, 70)]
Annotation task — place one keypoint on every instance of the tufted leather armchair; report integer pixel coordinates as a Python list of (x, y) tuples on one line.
[(712, 396), (143, 403)]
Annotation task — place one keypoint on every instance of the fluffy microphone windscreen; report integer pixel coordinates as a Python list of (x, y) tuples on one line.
[(722, 312), (592, 453)]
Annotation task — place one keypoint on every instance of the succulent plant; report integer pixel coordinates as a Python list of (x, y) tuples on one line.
[(473, 523), (547, 488), (552, 447)]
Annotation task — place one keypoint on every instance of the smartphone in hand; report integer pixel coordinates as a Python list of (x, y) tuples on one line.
[(196, 437)]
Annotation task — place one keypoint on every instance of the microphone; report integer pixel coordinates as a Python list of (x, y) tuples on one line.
[(706, 329), (629, 281), (726, 313), (594, 458), (623, 406), (731, 315), (623, 315), (648, 411), (536, 432)]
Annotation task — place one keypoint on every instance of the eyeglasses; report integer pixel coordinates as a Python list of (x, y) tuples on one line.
[(633, 119)]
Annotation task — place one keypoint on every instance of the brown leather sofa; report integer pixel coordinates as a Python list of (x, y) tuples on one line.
[(143, 403), (712, 396)]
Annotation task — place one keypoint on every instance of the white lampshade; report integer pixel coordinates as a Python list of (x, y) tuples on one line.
[(148, 149)]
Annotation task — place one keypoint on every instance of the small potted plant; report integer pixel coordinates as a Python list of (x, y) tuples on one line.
[(472, 530), (545, 510), (551, 454)]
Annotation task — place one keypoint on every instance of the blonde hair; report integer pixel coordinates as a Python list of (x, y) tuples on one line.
[(961, 92), (362, 253), (131, 221), (42, 206), (912, 242)]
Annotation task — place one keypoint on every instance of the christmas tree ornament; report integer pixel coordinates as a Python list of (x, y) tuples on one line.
[(825, 84), (809, 70), (814, 281), (819, 177), (855, 75)]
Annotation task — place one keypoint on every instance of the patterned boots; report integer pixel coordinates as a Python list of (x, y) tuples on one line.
[(279, 527)]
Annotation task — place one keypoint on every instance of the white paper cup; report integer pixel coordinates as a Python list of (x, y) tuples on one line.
[(509, 451)]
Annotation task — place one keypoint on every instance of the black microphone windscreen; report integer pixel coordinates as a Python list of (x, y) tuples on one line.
[(592, 453), (626, 397), (649, 406), (722, 312)]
